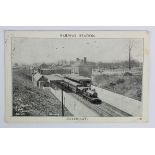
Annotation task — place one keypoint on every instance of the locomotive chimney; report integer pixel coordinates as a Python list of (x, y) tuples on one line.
[(85, 60)]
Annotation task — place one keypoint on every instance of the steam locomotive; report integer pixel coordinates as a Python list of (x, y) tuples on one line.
[(82, 86)]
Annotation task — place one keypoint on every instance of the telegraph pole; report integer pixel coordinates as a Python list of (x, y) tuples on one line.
[(129, 59), (131, 46), (62, 101)]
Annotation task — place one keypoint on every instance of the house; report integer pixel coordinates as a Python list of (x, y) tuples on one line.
[(44, 69), (82, 67), (48, 70), (39, 80)]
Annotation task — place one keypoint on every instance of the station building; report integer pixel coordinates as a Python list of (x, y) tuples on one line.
[(39, 80), (82, 68), (54, 70)]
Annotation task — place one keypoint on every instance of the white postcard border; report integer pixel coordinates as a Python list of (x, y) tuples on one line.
[(56, 34)]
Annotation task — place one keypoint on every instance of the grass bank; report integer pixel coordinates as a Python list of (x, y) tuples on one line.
[(29, 100), (127, 85)]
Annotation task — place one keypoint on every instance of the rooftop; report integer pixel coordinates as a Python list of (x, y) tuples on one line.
[(72, 82), (37, 76), (77, 77), (80, 62), (53, 77)]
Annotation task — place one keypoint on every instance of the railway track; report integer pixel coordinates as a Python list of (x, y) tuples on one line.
[(103, 109)]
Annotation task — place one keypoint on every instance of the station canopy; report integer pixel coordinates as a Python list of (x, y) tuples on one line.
[(71, 82), (53, 77), (78, 77)]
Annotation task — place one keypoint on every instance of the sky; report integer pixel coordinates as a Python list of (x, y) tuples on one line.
[(38, 50)]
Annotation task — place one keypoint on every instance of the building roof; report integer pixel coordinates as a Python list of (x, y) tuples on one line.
[(72, 82), (59, 75), (77, 77), (53, 77), (79, 63), (37, 76)]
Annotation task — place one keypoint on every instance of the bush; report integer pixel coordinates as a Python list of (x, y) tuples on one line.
[(127, 74), (139, 94), (119, 81), (112, 84)]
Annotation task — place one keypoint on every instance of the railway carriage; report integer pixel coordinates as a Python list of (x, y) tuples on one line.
[(81, 86), (71, 85), (84, 81)]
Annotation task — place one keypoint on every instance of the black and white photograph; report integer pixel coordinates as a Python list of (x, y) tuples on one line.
[(77, 75)]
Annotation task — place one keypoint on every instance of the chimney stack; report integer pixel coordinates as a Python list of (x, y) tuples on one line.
[(77, 59), (85, 60)]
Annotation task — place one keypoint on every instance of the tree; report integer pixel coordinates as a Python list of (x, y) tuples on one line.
[(131, 45), (16, 64), (43, 65)]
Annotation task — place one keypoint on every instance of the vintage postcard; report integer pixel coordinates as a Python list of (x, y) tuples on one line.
[(76, 76)]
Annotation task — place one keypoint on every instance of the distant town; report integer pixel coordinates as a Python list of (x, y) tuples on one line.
[(81, 66)]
